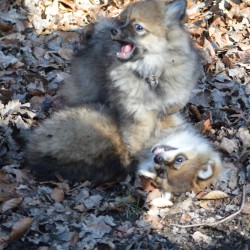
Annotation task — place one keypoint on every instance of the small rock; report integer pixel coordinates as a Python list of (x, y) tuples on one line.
[(200, 237), (228, 145)]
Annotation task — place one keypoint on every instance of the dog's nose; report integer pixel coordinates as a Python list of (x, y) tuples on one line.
[(158, 159), (114, 31)]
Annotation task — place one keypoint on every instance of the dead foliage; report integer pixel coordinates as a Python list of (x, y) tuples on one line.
[(37, 39)]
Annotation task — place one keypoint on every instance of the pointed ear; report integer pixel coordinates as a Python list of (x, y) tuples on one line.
[(206, 171), (175, 11)]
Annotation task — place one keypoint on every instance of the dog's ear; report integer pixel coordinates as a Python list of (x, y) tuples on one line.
[(207, 174), (87, 32), (175, 11), (206, 171)]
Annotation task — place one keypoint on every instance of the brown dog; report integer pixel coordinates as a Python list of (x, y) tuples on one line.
[(143, 64)]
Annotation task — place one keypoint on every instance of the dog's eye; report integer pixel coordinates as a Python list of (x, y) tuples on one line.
[(138, 27), (179, 159)]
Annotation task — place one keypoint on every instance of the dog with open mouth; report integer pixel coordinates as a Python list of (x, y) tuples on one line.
[(151, 67)]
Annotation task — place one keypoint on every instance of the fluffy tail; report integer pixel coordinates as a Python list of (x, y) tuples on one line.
[(80, 144)]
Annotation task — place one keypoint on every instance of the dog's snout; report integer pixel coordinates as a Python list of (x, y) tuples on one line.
[(114, 32), (158, 159)]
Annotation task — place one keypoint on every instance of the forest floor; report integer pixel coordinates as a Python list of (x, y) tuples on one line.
[(37, 39)]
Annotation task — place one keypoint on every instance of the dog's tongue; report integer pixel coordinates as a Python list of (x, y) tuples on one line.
[(125, 51), (127, 48), (158, 150)]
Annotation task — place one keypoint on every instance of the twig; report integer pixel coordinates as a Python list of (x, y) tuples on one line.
[(220, 221)]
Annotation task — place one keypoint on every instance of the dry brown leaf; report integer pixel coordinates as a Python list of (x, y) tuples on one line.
[(7, 191), (60, 185), (213, 195), (57, 194), (195, 111), (227, 61), (116, 207), (218, 21), (74, 239), (244, 46), (205, 204), (69, 4), (65, 53), (185, 217), (12, 203), (20, 227), (209, 48), (156, 193), (207, 126), (80, 208), (4, 242), (152, 221), (147, 184), (246, 208)]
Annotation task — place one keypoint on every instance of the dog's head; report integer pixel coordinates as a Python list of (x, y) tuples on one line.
[(143, 27), (180, 171), (183, 163)]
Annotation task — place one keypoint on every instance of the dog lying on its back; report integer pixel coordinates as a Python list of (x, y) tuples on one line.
[(85, 144), (150, 70), (181, 160)]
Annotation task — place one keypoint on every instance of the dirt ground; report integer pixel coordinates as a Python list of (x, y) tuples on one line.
[(37, 40)]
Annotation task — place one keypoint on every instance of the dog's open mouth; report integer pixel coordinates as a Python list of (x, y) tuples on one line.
[(161, 148), (126, 51)]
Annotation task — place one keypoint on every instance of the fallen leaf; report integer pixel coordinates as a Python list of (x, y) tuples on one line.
[(92, 201), (154, 222), (156, 193), (185, 217), (7, 191), (80, 208), (213, 195), (161, 202), (227, 61), (200, 237), (57, 194), (244, 136), (20, 227), (66, 54), (207, 126), (205, 204), (147, 184), (228, 145), (4, 242), (10, 204), (246, 208)]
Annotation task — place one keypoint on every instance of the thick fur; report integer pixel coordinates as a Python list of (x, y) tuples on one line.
[(80, 144), (85, 144), (150, 70), (89, 66), (200, 164)]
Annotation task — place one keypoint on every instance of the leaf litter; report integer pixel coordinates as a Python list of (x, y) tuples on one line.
[(37, 39)]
